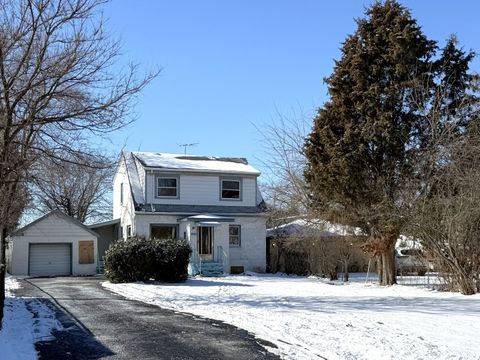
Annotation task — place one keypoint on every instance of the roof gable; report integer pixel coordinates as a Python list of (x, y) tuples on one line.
[(59, 214)]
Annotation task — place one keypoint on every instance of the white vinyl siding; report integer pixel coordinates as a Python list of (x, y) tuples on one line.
[(52, 230), (252, 252), (203, 190), (50, 259), (124, 211)]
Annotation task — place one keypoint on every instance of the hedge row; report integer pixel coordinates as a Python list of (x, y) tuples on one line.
[(140, 259)]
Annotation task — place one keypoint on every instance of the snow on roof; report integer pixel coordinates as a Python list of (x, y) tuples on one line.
[(313, 227), (208, 218), (195, 163), (407, 242), (133, 178), (323, 228)]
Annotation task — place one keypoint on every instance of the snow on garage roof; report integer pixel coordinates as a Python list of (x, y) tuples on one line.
[(195, 163)]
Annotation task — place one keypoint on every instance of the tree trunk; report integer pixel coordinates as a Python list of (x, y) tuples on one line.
[(387, 270), (346, 274), (466, 284), (379, 267), (333, 273), (3, 268)]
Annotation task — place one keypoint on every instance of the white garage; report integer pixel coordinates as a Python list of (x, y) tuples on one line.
[(47, 259), (54, 245)]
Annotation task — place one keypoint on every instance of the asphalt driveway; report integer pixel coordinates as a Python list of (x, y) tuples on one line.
[(100, 324)]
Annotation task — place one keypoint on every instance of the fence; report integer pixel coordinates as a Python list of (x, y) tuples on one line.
[(429, 280)]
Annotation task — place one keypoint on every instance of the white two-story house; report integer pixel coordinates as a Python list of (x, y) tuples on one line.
[(212, 202)]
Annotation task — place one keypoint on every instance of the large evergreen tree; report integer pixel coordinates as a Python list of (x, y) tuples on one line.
[(367, 139)]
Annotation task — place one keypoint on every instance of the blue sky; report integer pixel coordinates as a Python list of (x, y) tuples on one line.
[(232, 66)]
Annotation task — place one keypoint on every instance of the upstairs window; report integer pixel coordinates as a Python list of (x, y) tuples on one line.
[(167, 187), (230, 189), (234, 235)]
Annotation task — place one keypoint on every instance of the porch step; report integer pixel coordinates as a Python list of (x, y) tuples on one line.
[(193, 269), (212, 269)]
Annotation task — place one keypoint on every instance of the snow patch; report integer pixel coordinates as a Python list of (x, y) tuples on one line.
[(25, 322), (309, 318)]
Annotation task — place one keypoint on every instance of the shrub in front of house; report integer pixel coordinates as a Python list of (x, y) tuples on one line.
[(129, 261), (140, 259), (172, 260)]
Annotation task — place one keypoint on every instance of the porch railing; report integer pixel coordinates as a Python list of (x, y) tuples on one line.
[(196, 262), (222, 256)]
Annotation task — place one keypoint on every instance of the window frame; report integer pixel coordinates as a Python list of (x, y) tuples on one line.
[(175, 226), (239, 236), (240, 189), (121, 193), (177, 188)]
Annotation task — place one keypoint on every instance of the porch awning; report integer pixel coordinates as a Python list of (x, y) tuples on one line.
[(207, 219), (207, 223)]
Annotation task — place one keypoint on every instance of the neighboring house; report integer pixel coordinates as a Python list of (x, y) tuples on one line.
[(285, 252), (55, 244), (302, 246), (410, 257), (212, 202)]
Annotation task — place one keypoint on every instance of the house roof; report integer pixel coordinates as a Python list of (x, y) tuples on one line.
[(188, 163), (312, 227), (202, 209), (59, 214), (195, 163), (133, 178), (104, 223), (321, 228)]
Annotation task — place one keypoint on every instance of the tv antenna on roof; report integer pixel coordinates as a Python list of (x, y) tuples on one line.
[(185, 147)]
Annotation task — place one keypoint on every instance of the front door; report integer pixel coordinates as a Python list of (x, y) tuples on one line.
[(205, 242)]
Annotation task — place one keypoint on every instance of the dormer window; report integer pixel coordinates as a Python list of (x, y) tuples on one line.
[(167, 187), (231, 189)]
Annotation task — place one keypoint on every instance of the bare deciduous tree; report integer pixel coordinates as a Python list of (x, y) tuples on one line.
[(58, 79), (447, 218), (283, 142), (79, 187)]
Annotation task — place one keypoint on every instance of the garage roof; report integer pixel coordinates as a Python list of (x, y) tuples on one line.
[(59, 214)]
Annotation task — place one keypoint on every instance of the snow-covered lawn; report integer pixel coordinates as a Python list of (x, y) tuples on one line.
[(21, 328), (310, 318)]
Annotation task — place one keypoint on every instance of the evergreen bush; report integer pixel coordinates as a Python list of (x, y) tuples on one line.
[(140, 259)]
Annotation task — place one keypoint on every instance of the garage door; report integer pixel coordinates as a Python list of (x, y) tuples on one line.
[(50, 259)]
